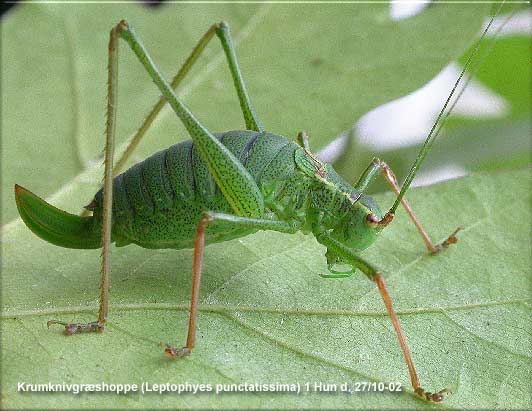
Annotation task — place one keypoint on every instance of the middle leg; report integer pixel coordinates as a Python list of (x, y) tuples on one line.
[(199, 245)]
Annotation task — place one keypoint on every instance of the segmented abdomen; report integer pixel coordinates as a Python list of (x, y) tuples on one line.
[(157, 203)]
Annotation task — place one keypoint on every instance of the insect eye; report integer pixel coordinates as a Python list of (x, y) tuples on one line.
[(372, 220)]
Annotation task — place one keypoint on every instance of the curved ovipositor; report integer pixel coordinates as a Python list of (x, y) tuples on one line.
[(54, 225)]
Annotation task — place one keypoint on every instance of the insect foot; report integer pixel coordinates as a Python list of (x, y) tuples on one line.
[(173, 353), (429, 396), (449, 241), (74, 328)]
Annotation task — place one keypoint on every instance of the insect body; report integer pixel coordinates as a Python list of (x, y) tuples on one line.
[(158, 202), (218, 187)]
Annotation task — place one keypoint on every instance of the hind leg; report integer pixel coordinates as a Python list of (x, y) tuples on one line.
[(223, 33), (99, 324), (251, 119)]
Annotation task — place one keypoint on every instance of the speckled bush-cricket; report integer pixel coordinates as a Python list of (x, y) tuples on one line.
[(222, 186)]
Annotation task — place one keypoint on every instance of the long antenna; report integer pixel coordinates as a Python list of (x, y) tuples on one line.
[(435, 130)]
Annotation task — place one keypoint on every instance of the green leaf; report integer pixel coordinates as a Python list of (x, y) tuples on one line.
[(307, 67), (266, 315), (487, 143), (482, 146), (501, 142), (506, 71)]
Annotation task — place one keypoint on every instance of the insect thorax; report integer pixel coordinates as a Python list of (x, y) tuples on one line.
[(336, 207)]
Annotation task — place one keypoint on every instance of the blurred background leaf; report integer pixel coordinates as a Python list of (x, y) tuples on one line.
[(479, 135)]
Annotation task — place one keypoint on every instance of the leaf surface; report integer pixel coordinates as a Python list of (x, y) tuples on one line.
[(266, 315)]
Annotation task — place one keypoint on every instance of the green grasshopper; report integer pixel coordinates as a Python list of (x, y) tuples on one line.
[(223, 186)]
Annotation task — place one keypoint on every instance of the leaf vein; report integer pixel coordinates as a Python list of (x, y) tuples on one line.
[(218, 308)]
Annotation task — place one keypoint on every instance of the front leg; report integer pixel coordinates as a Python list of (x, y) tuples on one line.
[(349, 257), (199, 245), (369, 174)]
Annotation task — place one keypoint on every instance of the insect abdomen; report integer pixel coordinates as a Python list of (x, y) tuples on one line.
[(157, 203)]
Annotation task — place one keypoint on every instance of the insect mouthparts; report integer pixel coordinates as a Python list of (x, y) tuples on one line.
[(372, 220)]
